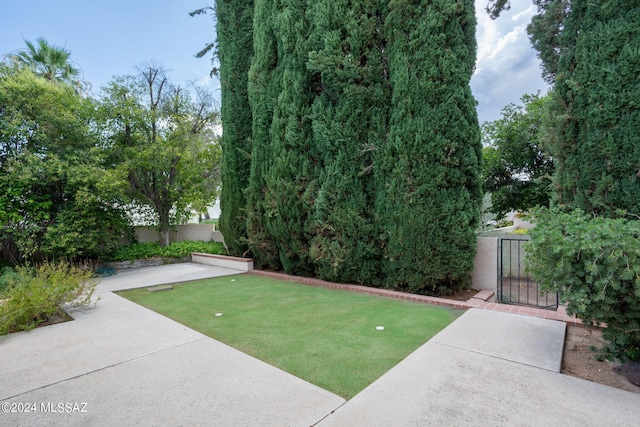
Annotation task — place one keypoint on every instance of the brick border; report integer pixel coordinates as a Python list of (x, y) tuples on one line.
[(479, 301)]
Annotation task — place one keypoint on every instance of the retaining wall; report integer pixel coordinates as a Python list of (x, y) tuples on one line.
[(243, 264)]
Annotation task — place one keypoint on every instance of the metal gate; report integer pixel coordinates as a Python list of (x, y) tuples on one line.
[(515, 286)]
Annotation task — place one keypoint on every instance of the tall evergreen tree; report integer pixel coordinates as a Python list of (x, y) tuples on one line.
[(349, 125), (429, 174), (597, 149), (291, 178), (235, 50), (546, 33), (263, 88), (364, 135)]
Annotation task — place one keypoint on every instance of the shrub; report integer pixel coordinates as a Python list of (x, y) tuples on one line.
[(33, 295), (136, 251), (174, 250), (187, 247), (7, 276), (594, 263)]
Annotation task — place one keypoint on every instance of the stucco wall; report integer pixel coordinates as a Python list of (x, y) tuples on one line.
[(204, 232)]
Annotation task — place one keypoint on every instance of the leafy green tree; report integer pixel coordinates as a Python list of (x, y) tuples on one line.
[(51, 62), (342, 120), (55, 199), (429, 171), (516, 169), (235, 51), (162, 143)]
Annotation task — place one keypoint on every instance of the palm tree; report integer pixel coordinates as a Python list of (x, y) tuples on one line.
[(51, 62)]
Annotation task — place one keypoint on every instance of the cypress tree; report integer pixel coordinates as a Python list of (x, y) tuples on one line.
[(429, 173), (291, 178), (349, 115), (235, 50), (597, 151), (284, 161), (263, 90)]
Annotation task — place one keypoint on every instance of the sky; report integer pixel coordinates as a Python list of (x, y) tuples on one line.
[(111, 37)]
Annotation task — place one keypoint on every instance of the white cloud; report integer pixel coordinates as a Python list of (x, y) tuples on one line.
[(507, 66), (527, 14)]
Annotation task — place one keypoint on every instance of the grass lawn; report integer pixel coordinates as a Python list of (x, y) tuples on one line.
[(327, 337)]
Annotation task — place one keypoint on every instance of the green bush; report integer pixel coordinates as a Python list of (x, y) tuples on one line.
[(135, 251), (7, 276), (33, 295), (187, 247), (174, 250), (594, 263)]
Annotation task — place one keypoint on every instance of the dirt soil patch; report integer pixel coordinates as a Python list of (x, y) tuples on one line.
[(579, 361)]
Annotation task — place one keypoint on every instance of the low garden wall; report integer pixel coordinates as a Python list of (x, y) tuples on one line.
[(244, 264), (147, 262)]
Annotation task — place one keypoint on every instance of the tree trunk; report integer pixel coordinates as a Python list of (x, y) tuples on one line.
[(163, 225), (163, 234)]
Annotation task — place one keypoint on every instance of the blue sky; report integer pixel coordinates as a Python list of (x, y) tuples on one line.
[(111, 37)]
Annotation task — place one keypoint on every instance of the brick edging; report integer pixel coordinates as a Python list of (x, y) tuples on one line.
[(560, 314), (363, 289)]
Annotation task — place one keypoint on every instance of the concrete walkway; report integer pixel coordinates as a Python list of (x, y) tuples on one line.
[(488, 369), (131, 366)]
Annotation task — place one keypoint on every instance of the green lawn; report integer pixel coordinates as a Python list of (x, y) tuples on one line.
[(327, 337)]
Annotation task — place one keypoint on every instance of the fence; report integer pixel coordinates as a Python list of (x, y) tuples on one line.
[(499, 266), (515, 285)]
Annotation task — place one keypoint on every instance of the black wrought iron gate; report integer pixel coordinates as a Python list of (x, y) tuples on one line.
[(515, 286)]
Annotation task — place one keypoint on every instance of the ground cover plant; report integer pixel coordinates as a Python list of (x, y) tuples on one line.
[(327, 337)]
